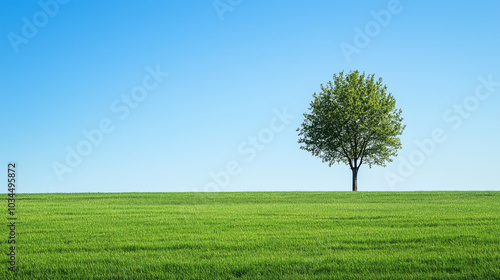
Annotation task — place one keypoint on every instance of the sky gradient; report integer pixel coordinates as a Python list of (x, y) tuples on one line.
[(207, 95)]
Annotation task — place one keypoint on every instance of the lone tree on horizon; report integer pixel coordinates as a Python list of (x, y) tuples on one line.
[(352, 120)]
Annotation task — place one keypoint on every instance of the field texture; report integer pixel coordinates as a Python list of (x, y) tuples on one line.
[(272, 235)]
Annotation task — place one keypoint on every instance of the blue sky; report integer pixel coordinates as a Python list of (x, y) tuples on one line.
[(207, 95)]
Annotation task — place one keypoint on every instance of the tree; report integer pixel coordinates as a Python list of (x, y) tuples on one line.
[(354, 121)]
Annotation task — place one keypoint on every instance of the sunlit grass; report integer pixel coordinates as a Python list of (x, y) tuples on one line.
[(261, 235)]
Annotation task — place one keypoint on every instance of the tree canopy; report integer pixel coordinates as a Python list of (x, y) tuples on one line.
[(353, 120)]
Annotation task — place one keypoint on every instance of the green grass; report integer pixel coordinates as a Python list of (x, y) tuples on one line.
[(261, 235)]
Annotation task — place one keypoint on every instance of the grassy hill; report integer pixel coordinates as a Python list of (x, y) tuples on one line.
[(256, 235)]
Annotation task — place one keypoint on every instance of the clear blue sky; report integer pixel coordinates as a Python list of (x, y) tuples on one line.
[(240, 76)]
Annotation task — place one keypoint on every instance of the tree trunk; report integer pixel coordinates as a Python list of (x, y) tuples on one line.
[(355, 179)]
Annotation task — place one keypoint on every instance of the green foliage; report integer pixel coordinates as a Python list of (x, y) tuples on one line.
[(257, 235), (354, 121)]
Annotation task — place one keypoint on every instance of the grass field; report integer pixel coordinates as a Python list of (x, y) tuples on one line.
[(271, 235)]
